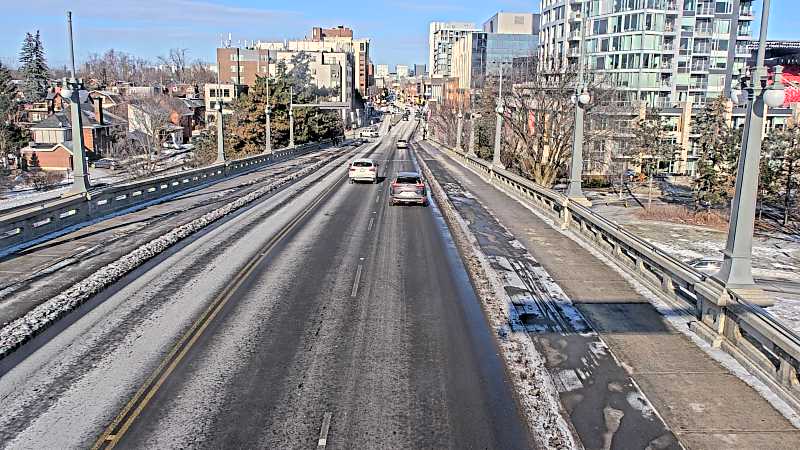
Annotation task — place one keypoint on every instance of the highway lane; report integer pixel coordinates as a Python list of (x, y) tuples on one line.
[(362, 314)]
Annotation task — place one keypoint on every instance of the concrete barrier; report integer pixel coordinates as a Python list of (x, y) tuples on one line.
[(23, 227), (756, 339)]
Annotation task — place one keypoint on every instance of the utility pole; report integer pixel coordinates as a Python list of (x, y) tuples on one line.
[(737, 268), (74, 90), (581, 99)]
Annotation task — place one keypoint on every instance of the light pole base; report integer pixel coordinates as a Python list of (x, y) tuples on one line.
[(754, 295), (581, 200)]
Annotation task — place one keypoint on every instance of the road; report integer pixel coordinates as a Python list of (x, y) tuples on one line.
[(321, 306)]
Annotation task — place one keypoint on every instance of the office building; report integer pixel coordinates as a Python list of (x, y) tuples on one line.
[(661, 52), (420, 70), (402, 71), (441, 37), (479, 54), (381, 71)]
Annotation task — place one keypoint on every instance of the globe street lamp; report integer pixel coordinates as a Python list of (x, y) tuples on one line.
[(268, 132), (498, 138), (575, 191), (737, 270)]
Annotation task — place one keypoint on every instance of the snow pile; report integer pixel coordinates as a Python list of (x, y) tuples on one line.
[(35, 321), (534, 384)]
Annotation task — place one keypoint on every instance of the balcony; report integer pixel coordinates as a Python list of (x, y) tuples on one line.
[(574, 35), (702, 31), (698, 86), (705, 11), (700, 67)]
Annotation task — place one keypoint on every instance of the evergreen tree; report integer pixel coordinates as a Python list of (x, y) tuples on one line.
[(12, 137), (718, 145), (782, 152), (34, 163), (33, 67)]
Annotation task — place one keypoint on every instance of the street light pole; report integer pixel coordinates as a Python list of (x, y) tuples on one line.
[(291, 117), (581, 99), (268, 112), (498, 131), (737, 271), (459, 130), (220, 135), (473, 116), (73, 89)]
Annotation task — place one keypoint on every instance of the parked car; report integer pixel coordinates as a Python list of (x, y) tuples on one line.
[(402, 143), (363, 170), (408, 187), (106, 163)]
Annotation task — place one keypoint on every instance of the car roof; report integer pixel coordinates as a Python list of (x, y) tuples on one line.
[(364, 160), (407, 174)]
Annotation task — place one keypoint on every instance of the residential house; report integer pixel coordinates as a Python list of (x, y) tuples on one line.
[(51, 138), (161, 119)]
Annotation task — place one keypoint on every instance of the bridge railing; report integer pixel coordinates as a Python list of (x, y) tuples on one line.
[(26, 226), (755, 338)]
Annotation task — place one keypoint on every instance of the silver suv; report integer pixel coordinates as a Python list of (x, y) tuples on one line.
[(408, 187)]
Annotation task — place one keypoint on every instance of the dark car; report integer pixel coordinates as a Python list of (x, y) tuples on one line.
[(106, 163), (408, 187)]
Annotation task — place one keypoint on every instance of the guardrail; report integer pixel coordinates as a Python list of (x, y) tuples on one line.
[(756, 339), (24, 227)]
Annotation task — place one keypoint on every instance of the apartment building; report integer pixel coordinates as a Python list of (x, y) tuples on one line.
[(661, 52), (441, 37), (505, 37), (381, 71), (402, 71)]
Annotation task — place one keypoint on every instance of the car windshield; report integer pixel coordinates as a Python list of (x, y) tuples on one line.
[(407, 180)]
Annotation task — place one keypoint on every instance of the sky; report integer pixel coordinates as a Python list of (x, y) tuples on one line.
[(149, 28)]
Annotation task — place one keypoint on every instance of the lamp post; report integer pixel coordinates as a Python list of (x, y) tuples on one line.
[(574, 190), (459, 130), (473, 116), (220, 135), (268, 131), (498, 130), (580, 99), (291, 117), (75, 92), (737, 270)]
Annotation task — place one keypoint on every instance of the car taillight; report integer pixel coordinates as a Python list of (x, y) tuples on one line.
[(372, 169), (420, 186)]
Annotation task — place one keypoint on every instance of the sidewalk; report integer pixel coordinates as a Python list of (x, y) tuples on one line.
[(701, 402)]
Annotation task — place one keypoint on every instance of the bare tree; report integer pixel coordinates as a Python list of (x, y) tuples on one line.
[(539, 118), (177, 63), (152, 121)]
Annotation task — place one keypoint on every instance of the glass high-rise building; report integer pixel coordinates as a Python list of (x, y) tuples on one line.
[(662, 52)]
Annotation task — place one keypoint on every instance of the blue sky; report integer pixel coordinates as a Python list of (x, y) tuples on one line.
[(148, 28)]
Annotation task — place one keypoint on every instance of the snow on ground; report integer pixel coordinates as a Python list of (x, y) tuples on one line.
[(21, 330), (775, 257)]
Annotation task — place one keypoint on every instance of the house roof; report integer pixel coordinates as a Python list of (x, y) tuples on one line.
[(46, 148), (62, 119)]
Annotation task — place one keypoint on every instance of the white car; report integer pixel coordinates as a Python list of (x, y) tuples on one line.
[(363, 170)]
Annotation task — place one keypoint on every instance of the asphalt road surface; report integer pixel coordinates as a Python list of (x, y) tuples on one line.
[(323, 316)]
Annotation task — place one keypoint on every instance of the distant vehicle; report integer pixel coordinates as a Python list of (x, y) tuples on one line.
[(402, 143), (408, 187), (106, 163), (706, 265), (370, 134), (363, 170)]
